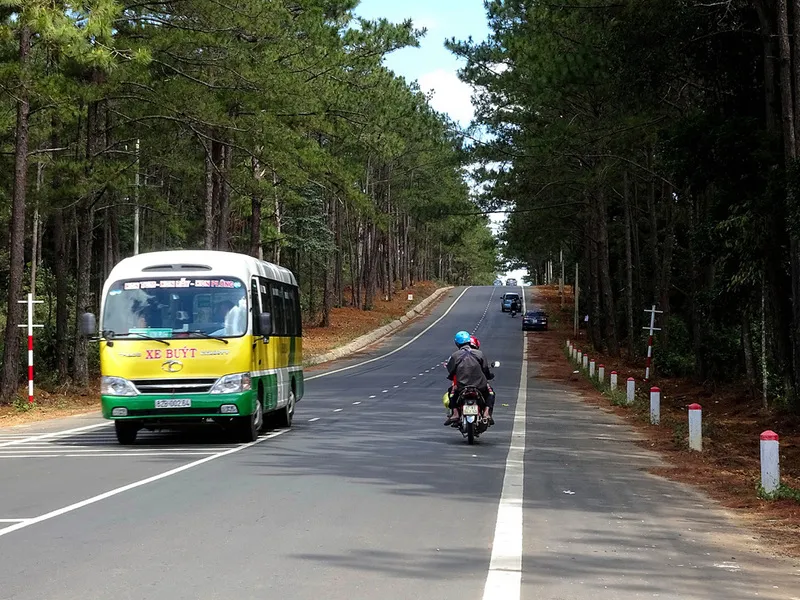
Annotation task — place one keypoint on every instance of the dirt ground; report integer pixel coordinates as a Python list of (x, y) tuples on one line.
[(346, 325), (728, 469)]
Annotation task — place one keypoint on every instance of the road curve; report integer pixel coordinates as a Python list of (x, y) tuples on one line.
[(369, 496)]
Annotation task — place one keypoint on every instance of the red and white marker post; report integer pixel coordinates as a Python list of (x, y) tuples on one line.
[(601, 373), (631, 390), (696, 427), (613, 380), (652, 329), (655, 406), (30, 325), (770, 462)]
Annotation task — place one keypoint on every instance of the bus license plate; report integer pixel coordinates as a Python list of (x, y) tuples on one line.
[(470, 409), (174, 403)]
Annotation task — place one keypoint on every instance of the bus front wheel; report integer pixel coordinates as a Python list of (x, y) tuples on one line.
[(249, 426), (126, 432)]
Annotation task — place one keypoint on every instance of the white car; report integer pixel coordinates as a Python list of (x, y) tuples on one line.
[(511, 282)]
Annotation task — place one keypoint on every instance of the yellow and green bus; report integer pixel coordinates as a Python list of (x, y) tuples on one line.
[(199, 336)]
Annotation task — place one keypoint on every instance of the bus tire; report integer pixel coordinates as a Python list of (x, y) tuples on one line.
[(126, 432), (284, 416), (248, 427)]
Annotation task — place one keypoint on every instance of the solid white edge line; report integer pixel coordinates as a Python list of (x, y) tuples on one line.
[(45, 436), (504, 581), (134, 485), (396, 350)]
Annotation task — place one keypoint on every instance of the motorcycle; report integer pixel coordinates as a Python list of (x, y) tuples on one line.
[(513, 311), (471, 424)]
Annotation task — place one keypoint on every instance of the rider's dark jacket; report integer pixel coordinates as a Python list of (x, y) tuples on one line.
[(469, 367)]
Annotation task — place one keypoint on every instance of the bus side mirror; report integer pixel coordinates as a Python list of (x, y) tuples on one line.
[(88, 325), (496, 364), (265, 324)]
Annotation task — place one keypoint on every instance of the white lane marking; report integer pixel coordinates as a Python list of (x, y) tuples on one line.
[(504, 580), (314, 419), (397, 386), (384, 391), (53, 434), (405, 382), (356, 403), (107, 454), (372, 397), (337, 410), (135, 484), (413, 378), (13, 520), (396, 350)]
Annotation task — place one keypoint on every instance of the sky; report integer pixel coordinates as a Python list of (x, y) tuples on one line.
[(432, 65)]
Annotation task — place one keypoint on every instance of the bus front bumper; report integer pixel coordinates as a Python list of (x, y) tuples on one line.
[(182, 407)]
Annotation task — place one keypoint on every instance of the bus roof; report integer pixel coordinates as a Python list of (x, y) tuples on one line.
[(198, 263)]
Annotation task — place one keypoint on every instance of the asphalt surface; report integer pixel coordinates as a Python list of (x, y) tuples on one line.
[(369, 496)]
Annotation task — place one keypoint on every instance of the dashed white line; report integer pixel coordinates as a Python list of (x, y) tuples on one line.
[(314, 419), (338, 409), (384, 391), (356, 403), (371, 397)]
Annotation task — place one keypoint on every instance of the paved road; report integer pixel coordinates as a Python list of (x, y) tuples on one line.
[(368, 496)]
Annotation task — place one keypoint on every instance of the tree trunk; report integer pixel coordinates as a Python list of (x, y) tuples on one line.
[(210, 225), (328, 275), (666, 270), (629, 270), (747, 348), (255, 216), (61, 247), (225, 196), (9, 379), (606, 289), (80, 363), (768, 44)]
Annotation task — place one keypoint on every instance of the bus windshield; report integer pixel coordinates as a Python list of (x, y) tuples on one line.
[(169, 307)]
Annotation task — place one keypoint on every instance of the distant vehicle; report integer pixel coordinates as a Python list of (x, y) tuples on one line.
[(534, 320), (505, 300), (511, 282), (498, 282)]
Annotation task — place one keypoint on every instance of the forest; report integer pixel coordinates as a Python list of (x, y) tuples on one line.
[(267, 127), (654, 143)]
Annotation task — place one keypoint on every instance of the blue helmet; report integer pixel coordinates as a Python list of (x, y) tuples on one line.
[(462, 338)]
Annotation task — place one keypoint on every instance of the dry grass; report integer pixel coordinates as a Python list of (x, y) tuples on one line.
[(728, 470)]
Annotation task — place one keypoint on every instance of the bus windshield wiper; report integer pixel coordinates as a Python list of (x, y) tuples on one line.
[(208, 335), (111, 335)]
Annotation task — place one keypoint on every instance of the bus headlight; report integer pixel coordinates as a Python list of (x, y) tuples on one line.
[(231, 384), (117, 386)]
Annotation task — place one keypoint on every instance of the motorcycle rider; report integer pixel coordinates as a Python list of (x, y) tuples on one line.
[(475, 344), (515, 307), (468, 366)]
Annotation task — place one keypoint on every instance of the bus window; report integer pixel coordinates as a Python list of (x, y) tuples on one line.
[(278, 316)]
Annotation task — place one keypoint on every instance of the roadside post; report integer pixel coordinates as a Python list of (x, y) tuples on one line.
[(655, 406), (601, 373), (631, 391), (652, 328), (696, 427), (770, 462), (30, 325), (613, 380)]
